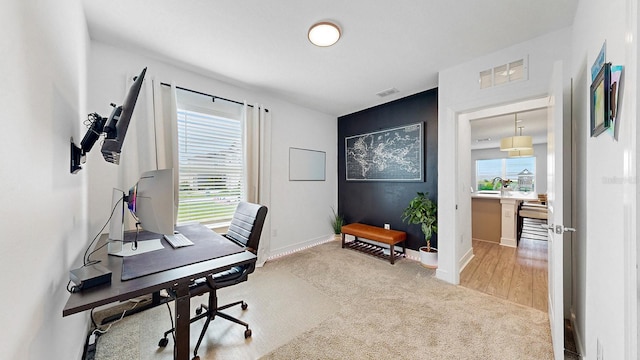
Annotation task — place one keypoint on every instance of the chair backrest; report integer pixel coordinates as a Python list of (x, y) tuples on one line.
[(246, 225)]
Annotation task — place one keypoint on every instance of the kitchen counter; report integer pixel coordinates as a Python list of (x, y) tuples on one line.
[(486, 222), (516, 195), (494, 215)]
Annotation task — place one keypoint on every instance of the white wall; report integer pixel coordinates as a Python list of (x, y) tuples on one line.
[(540, 151), (42, 217), (458, 93), (606, 306), (299, 211)]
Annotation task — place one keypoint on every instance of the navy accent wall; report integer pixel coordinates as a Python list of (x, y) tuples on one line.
[(380, 202)]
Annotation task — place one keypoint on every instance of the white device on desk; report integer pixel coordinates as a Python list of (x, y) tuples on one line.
[(178, 240), (151, 202)]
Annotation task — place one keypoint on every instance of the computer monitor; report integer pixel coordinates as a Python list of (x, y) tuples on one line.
[(151, 203), (118, 123), (114, 128)]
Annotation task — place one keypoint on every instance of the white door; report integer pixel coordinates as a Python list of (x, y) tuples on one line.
[(555, 192)]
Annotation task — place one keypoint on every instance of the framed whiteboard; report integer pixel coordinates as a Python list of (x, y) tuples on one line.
[(306, 165)]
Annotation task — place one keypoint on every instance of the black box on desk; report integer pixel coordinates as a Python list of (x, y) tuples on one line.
[(90, 276)]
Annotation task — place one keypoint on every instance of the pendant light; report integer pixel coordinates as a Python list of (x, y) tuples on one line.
[(521, 153), (515, 142)]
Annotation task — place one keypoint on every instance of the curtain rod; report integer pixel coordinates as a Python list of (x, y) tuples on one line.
[(209, 95)]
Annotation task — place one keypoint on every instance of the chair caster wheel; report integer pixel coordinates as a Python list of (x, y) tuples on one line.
[(163, 342), (199, 310), (244, 306), (196, 357), (247, 333)]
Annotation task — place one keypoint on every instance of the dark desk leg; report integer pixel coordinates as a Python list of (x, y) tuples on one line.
[(182, 321)]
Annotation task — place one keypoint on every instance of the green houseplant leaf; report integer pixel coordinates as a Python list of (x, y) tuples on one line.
[(336, 222), (422, 211)]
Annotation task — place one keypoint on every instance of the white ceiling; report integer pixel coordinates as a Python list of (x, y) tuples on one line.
[(262, 45), (487, 132)]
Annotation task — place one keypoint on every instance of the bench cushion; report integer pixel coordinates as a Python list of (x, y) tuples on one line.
[(374, 233)]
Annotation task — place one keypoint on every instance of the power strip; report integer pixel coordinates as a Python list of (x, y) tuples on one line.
[(90, 347)]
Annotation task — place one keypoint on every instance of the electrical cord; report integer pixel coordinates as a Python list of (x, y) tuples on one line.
[(86, 258), (72, 289), (134, 246), (97, 330)]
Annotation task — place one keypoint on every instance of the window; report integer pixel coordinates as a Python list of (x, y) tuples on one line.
[(507, 169), (503, 74), (211, 164)]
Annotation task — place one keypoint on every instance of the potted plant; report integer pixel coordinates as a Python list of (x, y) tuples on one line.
[(422, 211), (336, 223)]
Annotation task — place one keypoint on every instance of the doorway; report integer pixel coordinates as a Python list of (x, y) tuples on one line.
[(495, 264)]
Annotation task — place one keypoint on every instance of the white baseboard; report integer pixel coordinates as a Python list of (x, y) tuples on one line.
[(464, 261), (276, 253), (413, 255), (508, 242), (445, 276)]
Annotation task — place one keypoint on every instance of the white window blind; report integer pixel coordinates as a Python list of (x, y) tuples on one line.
[(507, 169), (210, 167)]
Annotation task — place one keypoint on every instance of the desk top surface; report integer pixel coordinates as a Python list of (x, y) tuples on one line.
[(120, 290)]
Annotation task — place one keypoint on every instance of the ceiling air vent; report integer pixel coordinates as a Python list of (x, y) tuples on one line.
[(387, 92)]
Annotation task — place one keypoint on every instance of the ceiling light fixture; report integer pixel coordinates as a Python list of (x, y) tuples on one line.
[(324, 34), (521, 153), (515, 142)]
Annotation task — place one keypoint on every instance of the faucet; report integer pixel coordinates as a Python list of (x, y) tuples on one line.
[(503, 184), (493, 182)]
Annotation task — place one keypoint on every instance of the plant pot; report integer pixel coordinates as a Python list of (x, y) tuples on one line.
[(337, 237), (429, 259)]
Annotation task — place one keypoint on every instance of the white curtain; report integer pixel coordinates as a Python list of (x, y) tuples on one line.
[(161, 108), (257, 139), (139, 148), (165, 120)]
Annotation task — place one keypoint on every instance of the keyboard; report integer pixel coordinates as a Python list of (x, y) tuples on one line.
[(178, 240)]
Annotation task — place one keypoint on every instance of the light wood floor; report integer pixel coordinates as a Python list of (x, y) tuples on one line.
[(516, 274)]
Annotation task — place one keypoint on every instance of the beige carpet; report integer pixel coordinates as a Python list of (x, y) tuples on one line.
[(331, 303)]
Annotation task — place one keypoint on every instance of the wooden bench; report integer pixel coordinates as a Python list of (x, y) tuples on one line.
[(389, 237)]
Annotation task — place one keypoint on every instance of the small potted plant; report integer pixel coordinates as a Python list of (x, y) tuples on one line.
[(336, 223), (422, 211)]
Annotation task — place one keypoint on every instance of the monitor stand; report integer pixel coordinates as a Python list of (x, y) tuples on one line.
[(116, 245), (119, 248)]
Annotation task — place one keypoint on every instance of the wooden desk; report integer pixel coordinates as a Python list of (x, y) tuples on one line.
[(177, 279)]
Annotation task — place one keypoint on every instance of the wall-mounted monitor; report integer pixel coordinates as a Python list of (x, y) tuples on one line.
[(114, 128)]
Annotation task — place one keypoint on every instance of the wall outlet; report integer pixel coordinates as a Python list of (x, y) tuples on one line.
[(387, 226)]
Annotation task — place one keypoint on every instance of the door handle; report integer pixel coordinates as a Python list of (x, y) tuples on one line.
[(558, 229), (561, 229)]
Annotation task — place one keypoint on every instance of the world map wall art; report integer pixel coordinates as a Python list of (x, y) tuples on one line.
[(394, 154)]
